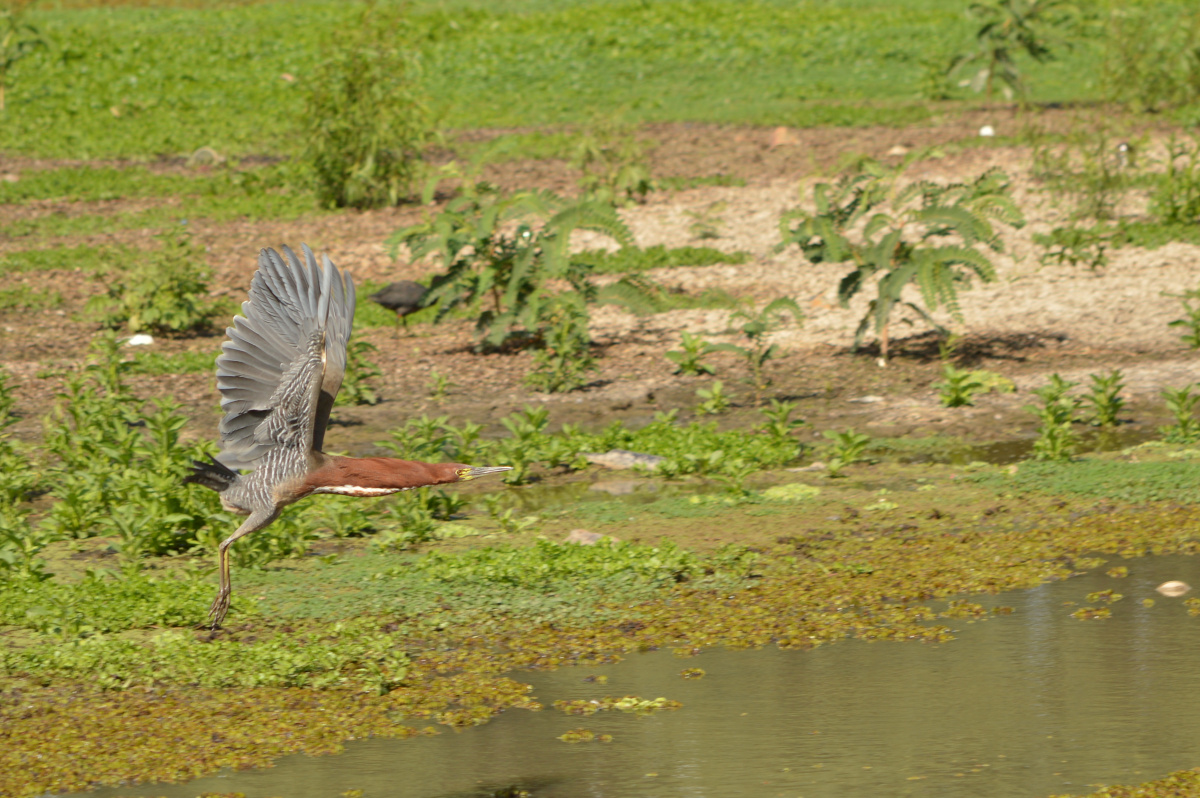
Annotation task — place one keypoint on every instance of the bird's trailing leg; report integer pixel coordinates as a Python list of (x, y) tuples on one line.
[(220, 605)]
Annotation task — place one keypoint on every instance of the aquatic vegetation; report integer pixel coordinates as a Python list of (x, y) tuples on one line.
[(794, 492), (585, 736), (695, 448), (629, 703), (1100, 479), (1183, 784), (1092, 613), (804, 595), (692, 673)]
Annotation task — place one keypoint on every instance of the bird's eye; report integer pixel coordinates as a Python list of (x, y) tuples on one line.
[(463, 473)]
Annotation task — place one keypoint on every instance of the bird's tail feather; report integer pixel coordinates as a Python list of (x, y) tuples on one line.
[(211, 475)]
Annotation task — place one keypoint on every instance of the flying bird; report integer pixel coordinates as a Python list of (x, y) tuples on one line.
[(402, 296), (278, 375)]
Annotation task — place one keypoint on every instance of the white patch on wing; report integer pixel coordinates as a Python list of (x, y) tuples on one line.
[(356, 490)]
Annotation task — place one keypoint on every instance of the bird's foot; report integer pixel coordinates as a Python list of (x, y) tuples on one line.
[(220, 606)]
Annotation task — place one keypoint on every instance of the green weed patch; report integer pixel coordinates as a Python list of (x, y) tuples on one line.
[(1102, 479)]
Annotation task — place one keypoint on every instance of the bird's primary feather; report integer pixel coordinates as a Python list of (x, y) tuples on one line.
[(288, 346)]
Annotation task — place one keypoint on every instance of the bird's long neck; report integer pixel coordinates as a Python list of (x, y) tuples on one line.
[(375, 476)]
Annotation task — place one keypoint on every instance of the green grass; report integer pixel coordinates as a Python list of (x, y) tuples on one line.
[(179, 363), (1104, 479), (142, 82), (25, 298), (84, 258), (212, 207)]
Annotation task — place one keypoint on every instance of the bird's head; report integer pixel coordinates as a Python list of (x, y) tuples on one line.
[(466, 472)]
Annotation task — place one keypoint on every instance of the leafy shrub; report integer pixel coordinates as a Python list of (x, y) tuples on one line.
[(1176, 197), (1009, 27), (1152, 56), (364, 122), (164, 292), (696, 448), (502, 277), (117, 467), (1056, 439), (954, 234), (958, 386), (20, 542)]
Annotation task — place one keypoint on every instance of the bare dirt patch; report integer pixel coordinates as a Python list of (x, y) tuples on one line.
[(1034, 321)]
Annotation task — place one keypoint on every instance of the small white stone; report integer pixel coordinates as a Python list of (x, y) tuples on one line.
[(141, 339), (987, 130)]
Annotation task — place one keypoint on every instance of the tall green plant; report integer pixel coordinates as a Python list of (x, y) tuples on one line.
[(501, 274), (1007, 29), (1176, 198), (1056, 439), (365, 123), (933, 236), (1152, 56)]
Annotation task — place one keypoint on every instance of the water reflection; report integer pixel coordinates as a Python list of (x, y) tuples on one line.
[(1022, 705)]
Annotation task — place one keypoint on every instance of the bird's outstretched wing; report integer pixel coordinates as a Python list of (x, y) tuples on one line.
[(283, 364)]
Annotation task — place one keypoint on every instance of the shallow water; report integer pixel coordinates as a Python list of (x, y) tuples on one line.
[(1026, 704)]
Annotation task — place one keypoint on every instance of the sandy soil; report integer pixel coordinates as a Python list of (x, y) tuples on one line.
[(1035, 320)]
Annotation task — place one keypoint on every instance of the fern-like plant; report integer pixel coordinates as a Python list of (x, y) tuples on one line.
[(933, 236), (501, 274)]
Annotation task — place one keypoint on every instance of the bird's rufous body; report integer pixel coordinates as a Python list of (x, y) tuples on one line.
[(278, 375)]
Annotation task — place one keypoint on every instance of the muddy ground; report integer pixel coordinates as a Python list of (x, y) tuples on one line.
[(1036, 320)]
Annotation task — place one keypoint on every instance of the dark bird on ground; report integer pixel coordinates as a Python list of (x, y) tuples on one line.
[(278, 375), (402, 296)]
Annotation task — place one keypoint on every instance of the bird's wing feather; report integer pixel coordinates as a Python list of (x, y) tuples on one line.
[(340, 322), (285, 354)]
